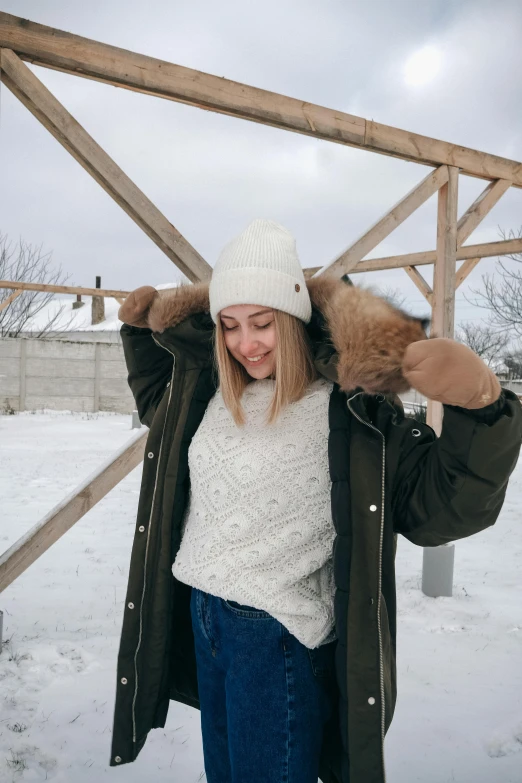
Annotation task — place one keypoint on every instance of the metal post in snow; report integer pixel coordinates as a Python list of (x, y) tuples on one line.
[(136, 423), (437, 570)]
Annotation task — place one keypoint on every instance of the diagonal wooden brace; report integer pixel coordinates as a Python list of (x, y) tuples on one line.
[(49, 111)]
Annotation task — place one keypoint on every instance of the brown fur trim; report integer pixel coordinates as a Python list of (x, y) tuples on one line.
[(369, 334), (173, 305)]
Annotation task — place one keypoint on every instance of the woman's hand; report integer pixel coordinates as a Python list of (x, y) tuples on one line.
[(449, 372), (135, 309)]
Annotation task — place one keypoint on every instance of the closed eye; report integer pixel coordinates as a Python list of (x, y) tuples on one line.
[(231, 328)]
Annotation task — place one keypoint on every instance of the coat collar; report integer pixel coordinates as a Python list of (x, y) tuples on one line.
[(358, 338)]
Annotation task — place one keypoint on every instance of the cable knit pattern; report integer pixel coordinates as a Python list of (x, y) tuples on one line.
[(258, 527)]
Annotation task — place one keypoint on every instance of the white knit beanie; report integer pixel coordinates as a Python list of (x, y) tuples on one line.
[(260, 267)]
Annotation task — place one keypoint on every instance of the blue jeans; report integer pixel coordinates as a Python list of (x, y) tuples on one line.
[(264, 696)]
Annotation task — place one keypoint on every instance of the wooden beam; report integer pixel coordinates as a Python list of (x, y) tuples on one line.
[(484, 250), (90, 59), (445, 265), (63, 289), (443, 299), (348, 260), (467, 267), (49, 111), (480, 208), (419, 281), (36, 541), (9, 299)]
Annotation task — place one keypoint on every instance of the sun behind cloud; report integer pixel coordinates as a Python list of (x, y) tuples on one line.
[(423, 66)]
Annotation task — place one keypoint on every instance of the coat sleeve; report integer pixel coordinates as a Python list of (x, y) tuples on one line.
[(149, 367), (451, 487)]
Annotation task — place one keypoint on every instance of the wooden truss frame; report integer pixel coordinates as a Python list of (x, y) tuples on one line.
[(19, 287), (22, 40)]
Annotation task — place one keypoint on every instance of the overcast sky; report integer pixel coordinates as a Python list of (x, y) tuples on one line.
[(211, 174)]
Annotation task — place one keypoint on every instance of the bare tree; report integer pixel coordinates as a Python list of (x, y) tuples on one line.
[(393, 295), (502, 292), (25, 263), (513, 362), (487, 341)]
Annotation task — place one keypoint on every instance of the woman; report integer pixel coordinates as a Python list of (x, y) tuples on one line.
[(279, 469)]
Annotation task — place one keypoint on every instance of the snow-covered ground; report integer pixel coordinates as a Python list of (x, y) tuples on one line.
[(459, 711)]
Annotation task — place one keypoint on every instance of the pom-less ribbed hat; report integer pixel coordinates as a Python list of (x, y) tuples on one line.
[(260, 267)]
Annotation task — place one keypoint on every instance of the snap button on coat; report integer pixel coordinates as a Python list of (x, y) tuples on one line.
[(123, 681), (373, 507), (150, 455), (371, 700)]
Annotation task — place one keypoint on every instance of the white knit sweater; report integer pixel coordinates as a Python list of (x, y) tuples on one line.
[(258, 528)]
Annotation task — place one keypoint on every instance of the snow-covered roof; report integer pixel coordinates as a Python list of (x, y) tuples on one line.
[(69, 320)]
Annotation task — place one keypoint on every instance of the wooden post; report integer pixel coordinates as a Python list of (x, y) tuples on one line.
[(98, 306), (443, 297), (76, 305)]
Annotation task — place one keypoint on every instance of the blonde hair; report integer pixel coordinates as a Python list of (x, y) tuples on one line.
[(294, 367)]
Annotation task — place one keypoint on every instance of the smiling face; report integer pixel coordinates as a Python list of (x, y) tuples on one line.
[(250, 332)]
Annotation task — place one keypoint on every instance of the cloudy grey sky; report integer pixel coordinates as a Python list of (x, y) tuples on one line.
[(211, 174)]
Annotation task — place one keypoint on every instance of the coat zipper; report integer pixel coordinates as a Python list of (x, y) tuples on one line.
[(381, 668), (147, 547)]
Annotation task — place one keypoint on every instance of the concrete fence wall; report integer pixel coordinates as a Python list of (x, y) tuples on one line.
[(36, 374)]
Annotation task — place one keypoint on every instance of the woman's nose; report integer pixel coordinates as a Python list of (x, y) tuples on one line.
[(248, 345)]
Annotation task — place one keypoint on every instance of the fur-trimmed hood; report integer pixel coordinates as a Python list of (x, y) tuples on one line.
[(359, 338)]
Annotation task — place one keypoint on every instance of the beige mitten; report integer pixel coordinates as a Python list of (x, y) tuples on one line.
[(449, 372), (135, 309)]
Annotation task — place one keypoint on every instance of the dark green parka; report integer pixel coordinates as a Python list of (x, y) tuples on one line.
[(390, 474)]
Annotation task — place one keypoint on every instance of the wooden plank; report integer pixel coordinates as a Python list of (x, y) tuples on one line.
[(443, 298), (45, 533), (90, 59), (483, 204), (49, 111), (419, 281), (349, 259), (62, 289), (484, 250), (10, 299), (445, 265), (467, 267)]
